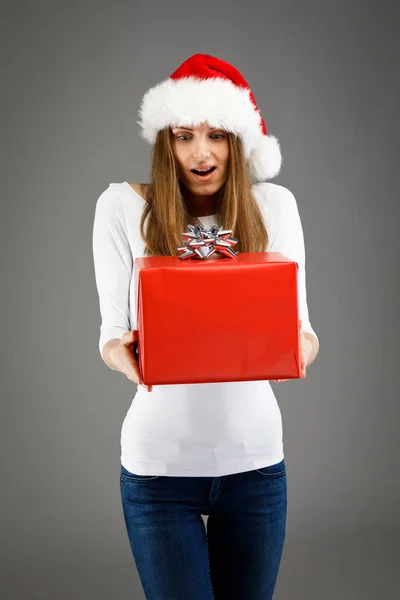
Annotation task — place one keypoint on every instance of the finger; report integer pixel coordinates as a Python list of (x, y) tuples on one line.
[(148, 388), (302, 359), (133, 370), (139, 381), (133, 378), (129, 338), (129, 359), (133, 374)]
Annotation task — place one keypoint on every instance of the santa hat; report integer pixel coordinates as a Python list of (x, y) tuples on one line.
[(207, 89)]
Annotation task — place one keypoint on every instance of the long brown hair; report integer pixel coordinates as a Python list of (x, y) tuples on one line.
[(166, 216)]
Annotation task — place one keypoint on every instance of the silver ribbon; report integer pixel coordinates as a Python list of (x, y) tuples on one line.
[(203, 242)]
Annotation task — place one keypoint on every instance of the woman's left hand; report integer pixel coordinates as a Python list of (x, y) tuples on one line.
[(305, 350)]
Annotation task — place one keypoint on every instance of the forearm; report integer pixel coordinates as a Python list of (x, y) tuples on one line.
[(313, 347)]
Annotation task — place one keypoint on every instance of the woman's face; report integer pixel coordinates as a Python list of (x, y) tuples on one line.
[(201, 149)]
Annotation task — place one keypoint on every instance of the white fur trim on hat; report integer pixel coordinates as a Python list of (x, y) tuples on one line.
[(191, 101), (265, 160)]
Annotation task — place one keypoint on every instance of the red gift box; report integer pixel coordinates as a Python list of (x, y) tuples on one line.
[(218, 319)]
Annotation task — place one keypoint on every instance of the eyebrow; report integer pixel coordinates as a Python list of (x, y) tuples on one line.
[(192, 129)]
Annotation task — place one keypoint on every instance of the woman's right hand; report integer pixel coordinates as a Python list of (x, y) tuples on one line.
[(125, 361)]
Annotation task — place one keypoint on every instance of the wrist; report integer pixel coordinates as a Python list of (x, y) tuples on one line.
[(310, 348), (110, 353), (308, 352)]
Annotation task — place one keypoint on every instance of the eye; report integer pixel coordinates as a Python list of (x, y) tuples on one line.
[(217, 136), (182, 138)]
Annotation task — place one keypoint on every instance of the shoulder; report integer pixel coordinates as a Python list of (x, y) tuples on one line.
[(117, 197), (277, 204), (109, 200), (274, 197), (109, 214), (141, 189)]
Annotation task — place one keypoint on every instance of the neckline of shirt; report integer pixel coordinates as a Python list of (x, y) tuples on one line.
[(207, 217), (133, 191)]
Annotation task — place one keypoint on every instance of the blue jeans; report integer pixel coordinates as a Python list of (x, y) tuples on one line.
[(236, 558)]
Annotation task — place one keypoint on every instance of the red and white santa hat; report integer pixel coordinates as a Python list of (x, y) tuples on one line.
[(207, 89)]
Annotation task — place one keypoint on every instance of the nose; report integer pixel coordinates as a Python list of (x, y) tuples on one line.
[(201, 149)]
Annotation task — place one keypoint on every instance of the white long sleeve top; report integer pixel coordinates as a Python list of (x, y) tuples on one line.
[(209, 429)]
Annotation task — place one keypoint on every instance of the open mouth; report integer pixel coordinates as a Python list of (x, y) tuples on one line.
[(203, 173)]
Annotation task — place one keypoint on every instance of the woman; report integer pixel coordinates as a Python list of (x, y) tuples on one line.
[(206, 449)]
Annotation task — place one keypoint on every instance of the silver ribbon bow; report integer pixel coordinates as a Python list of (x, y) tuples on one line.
[(206, 241)]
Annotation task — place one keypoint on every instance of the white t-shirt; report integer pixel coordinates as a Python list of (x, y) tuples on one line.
[(209, 429)]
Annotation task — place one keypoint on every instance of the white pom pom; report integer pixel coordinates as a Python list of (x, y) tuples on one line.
[(265, 160)]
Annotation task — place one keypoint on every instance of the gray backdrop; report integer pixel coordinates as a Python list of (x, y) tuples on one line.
[(324, 75)]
